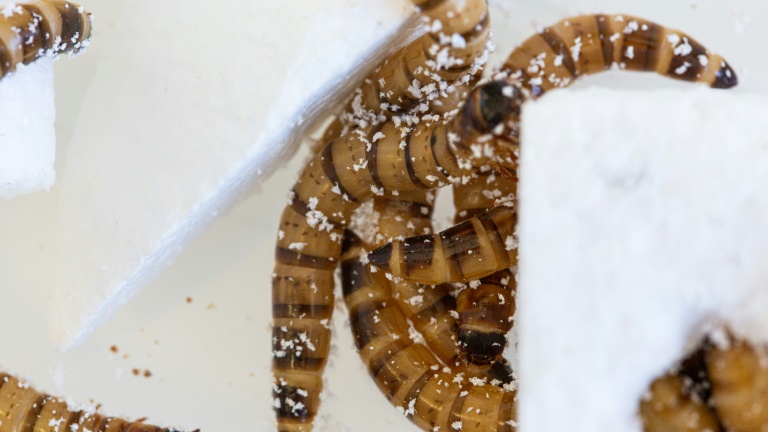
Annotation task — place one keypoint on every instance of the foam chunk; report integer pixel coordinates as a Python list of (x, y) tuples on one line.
[(186, 111), (27, 140), (642, 226)]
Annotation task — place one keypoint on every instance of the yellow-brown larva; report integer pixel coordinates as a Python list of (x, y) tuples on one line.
[(739, 377), (409, 375), (349, 170), (425, 68), (554, 58), (32, 30), (24, 409)]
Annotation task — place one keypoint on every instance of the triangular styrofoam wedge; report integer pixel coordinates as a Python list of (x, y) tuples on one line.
[(27, 139), (642, 226), (188, 108)]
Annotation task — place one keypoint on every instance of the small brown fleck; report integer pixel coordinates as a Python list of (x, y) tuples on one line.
[(189, 299), (147, 373), (113, 349), (135, 372)]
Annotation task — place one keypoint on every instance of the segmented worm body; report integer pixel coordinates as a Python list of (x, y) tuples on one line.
[(414, 380), (32, 30), (23, 409), (487, 306), (553, 58), (349, 170), (452, 49), (394, 157)]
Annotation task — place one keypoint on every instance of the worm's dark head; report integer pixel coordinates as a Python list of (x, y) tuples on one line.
[(491, 106)]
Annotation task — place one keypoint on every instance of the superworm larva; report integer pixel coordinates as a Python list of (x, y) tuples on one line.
[(554, 58), (739, 376), (450, 50), (29, 31), (413, 379), (349, 170), (23, 409), (593, 43)]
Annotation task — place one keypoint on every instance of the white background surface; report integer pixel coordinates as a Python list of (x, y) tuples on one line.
[(210, 365)]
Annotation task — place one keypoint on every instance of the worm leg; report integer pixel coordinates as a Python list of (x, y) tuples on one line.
[(24, 409)]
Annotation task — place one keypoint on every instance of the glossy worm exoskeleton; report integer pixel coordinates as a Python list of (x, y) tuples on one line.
[(409, 375), (486, 307), (554, 58), (452, 49), (31, 30), (23, 409), (429, 308), (356, 167)]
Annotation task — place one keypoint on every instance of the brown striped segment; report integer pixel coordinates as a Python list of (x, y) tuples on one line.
[(19, 405), (592, 43)]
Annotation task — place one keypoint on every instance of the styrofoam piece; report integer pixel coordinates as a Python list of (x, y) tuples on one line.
[(173, 128), (27, 139), (642, 226)]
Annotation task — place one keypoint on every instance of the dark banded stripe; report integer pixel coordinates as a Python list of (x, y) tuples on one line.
[(380, 257), (655, 33), (432, 142), (689, 64), (416, 388), (416, 253), (386, 353), (329, 169), (440, 308), (298, 205), (71, 24), (457, 408), (365, 322), (555, 42), (299, 411), (293, 362), (5, 58), (354, 275), (428, 5), (482, 347), (290, 257), (372, 156), (311, 311), (491, 230), (410, 77), (605, 38)]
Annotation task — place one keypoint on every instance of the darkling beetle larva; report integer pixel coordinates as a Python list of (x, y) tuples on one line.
[(391, 157), (43, 27), (24, 409), (554, 58)]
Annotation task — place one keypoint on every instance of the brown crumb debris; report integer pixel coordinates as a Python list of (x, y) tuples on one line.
[(113, 349), (189, 299)]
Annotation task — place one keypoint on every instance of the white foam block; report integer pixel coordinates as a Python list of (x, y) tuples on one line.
[(642, 225), (27, 139), (187, 109)]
